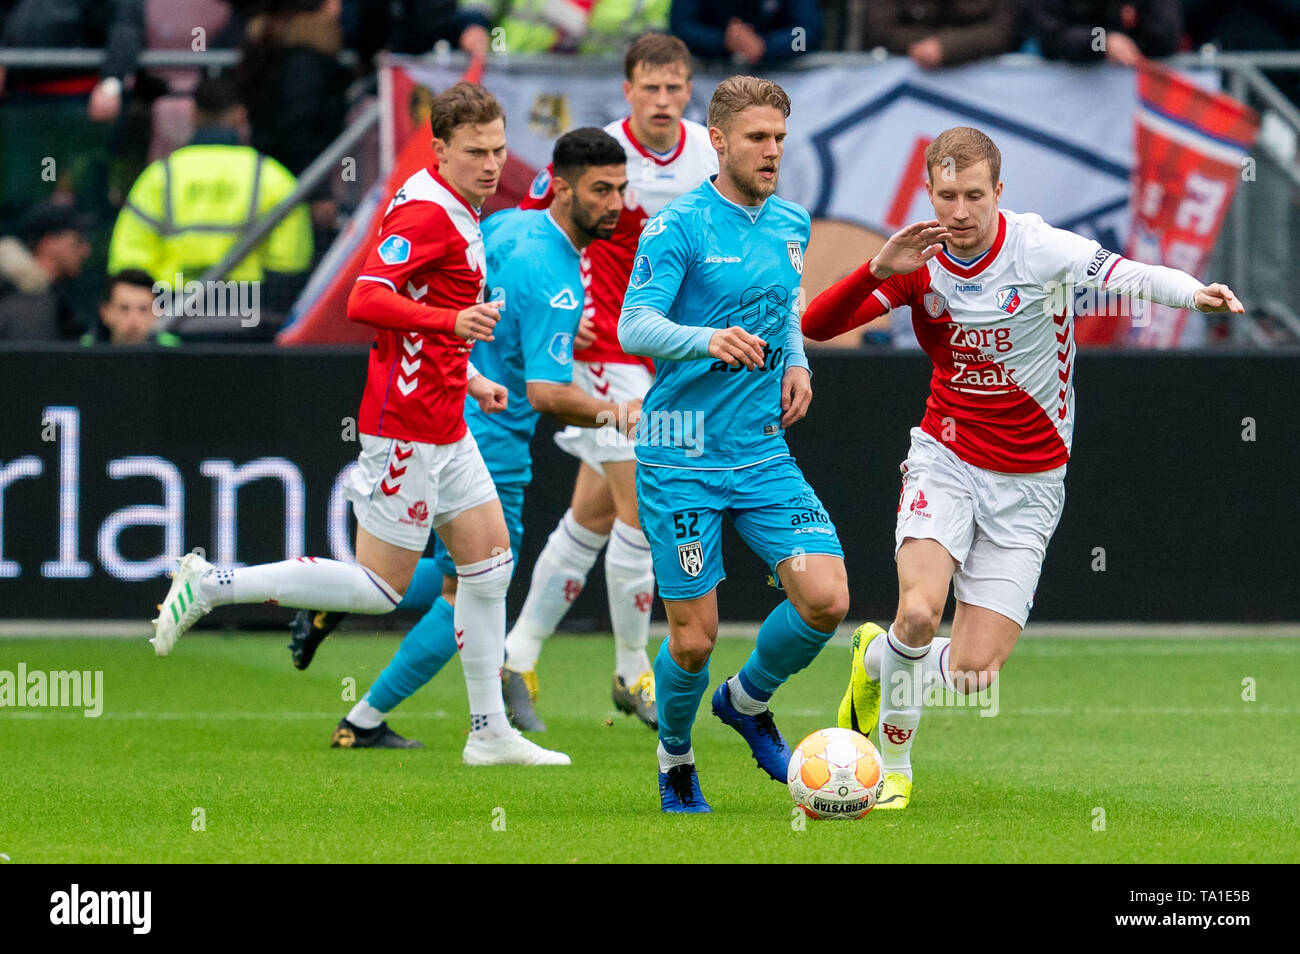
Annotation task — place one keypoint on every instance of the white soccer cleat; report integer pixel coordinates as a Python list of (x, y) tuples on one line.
[(510, 749), (184, 606)]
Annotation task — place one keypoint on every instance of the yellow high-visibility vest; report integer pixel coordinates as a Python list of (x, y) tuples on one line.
[(186, 211)]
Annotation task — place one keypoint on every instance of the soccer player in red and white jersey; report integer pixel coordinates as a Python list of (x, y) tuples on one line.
[(991, 294), (667, 156), (422, 287)]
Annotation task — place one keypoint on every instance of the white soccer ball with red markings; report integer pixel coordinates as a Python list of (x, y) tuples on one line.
[(835, 773)]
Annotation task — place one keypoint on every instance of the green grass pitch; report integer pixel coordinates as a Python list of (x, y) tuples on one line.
[(1102, 750)]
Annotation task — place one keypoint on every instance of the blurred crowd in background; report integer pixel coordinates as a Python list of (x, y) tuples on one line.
[(116, 178)]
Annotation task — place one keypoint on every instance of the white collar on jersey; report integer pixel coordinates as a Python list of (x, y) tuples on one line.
[(752, 212)]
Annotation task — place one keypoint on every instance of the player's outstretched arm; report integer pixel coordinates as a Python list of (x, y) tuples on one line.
[(1161, 284)]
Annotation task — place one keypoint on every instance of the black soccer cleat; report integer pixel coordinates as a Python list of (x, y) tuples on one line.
[(349, 736), (307, 630)]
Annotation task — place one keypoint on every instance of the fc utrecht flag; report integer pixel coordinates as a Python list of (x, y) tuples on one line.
[(319, 316), (1190, 145)]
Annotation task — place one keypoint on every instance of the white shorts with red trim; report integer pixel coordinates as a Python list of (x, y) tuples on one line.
[(996, 526), (401, 490), (608, 382)]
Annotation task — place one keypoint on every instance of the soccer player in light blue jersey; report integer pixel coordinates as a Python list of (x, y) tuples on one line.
[(713, 298), (533, 268)]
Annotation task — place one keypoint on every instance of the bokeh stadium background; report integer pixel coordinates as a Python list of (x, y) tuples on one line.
[(1173, 138)]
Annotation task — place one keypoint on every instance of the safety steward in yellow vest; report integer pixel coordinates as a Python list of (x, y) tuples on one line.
[(186, 211)]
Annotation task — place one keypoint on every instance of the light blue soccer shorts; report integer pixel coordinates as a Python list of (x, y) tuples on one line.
[(770, 504)]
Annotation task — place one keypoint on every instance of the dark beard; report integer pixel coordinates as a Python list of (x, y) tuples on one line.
[(587, 226)]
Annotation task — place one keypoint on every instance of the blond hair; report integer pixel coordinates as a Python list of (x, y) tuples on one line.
[(963, 146), (737, 93)]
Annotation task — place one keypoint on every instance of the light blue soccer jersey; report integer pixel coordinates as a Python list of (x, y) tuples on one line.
[(705, 263), (534, 267)]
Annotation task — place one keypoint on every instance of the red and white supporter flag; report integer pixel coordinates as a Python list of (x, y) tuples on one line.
[(1190, 146)]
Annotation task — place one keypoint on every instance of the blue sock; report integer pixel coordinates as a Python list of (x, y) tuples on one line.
[(785, 645), (678, 694), (424, 589), (423, 653)]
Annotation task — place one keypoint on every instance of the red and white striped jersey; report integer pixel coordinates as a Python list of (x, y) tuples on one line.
[(652, 182), (427, 266), (1000, 332)]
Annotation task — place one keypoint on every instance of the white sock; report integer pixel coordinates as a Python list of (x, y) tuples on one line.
[(667, 760), (936, 664), (304, 583), (630, 582), (480, 621), (366, 716), (492, 725), (744, 703), (900, 702), (558, 577)]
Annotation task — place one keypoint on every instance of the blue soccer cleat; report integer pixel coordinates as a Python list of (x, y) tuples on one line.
[(679, 792), (760, 731)]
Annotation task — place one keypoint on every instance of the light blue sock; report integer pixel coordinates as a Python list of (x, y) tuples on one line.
[(425, 587), (785, 645), (678, 694), (423, 653)]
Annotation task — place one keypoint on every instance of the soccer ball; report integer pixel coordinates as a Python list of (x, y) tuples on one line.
[(835, 773)]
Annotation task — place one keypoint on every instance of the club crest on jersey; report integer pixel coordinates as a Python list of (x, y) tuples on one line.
[(561, 347), (565, 299), (691, 557), (934, 304), (394, 250), (795, 251), (541, 184), (642, 272), (1008, 298)]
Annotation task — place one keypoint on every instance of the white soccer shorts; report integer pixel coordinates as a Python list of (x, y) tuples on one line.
[(401, 490), (996, 526), (608, 382)]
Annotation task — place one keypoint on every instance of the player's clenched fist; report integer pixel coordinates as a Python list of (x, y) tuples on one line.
[(477, 321), (909, 248), (491, 397), (737, 346), (1218, 297)]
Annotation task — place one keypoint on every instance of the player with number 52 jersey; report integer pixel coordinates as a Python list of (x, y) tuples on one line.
[(713, 298)]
